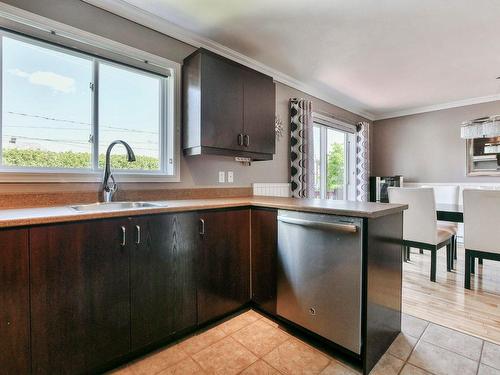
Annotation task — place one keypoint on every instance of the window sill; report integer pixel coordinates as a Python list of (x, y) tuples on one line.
[(91, 177)]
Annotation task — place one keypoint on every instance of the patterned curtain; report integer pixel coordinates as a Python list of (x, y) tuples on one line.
[(362, 161), (302, 151)]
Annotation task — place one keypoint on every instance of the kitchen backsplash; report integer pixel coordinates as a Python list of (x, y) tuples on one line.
[(271, 189)]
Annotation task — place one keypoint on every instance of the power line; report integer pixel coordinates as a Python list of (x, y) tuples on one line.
[(87, 124)]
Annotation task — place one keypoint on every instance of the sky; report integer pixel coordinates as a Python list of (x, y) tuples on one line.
[(47, 102)]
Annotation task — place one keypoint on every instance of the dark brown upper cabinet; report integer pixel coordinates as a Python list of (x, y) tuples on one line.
[(228, 109)]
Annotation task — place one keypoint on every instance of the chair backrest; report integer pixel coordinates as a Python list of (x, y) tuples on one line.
[(449, 194), (482, 220), (419, 220)]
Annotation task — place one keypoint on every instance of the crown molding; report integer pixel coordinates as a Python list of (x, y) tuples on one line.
[(152, 21), (437, 107)]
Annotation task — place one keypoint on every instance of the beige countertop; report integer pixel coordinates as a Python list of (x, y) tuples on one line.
[(58, 214)]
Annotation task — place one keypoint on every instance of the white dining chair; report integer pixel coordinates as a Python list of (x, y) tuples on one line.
[(481, 225), (448, 194), (420, 229)]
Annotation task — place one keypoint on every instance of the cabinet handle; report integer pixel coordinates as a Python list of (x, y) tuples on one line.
[(124, 238), (202, 226), (246, 140), (138, 232), (240, 139)]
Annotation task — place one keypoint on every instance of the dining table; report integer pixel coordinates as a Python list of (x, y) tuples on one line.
[(450, 212)]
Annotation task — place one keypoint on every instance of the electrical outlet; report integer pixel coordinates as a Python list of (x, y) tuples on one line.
[(222, 177), (230, 177)]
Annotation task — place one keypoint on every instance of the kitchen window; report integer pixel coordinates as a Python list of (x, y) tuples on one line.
[(334, 159), (61, 108)]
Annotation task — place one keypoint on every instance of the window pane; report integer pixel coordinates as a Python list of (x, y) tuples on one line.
[(46, 107), (129, 110), (335, 159), (317, 161)]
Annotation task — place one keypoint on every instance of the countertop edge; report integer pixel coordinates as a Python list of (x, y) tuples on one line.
[(63, 214)]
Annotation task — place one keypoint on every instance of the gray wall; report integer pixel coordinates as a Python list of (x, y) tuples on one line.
[(427, 147), (195, 171)]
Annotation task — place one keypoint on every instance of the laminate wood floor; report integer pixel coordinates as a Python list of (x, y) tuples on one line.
[(446, 302)]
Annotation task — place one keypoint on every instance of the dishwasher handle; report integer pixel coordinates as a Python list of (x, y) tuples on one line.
[(348, 228)]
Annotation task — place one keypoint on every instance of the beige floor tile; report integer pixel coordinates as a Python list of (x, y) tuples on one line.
[(412, 370), (487, 370), (254, 313), (457, 342), (184, 367), (260, 368), (260, 338), (123, 370), (440, 361), (337, 368), (269, 321), (199, 342), (413, 326), (159, 360), (225, 357), (387, 365), (402, 346), (238, 322), (491, 355), (295, 357)]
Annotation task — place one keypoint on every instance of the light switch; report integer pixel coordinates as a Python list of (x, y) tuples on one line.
[(230, 177), (222, 177)]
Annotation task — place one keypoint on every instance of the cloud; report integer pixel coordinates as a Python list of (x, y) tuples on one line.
[(53, 80)]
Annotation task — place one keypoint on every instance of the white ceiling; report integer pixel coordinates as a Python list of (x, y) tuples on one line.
[(379, 58)]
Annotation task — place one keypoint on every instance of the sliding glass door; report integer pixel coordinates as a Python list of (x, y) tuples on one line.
[(334, 160)]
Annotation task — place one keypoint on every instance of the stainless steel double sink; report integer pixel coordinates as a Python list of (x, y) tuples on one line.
[(116, 206)]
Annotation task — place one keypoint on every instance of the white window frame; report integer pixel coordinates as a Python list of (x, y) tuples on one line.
[(25, 26), (324, 122)]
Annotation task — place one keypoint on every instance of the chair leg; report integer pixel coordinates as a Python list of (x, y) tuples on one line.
[(467, 269), (472, 264), (433, 265), (408, 253), (405, 254), (455, 243), (480, 260), (448, 257), (421, 251)]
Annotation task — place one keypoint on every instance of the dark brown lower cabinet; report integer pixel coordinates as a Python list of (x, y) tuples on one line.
[(80, 300), (264, 257), (14, 302), (163, 279), (223, 263)]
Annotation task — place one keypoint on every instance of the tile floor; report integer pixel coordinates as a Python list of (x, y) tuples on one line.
[(250, 343)]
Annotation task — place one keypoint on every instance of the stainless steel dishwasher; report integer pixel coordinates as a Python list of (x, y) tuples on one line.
[(319, 275)]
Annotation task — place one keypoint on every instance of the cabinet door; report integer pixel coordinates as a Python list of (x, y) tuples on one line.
[(222, 103), (14, 302), (80, 308), (163, 285), (223, 263), (264, 258), (259, 112)]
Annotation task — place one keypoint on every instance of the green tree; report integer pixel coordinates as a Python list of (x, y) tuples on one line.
[(69, 159), (336, 162)]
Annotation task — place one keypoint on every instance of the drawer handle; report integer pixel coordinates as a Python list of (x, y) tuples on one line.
[(124, 238), (246, 140), (348, 228), (240, 139), (138, 232), (202, 226)]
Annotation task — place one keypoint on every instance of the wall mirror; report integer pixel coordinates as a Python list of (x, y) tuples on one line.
[(483, 156)]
